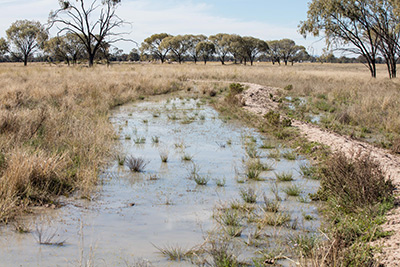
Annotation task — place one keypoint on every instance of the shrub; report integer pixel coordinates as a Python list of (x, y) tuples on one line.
[(235, 88), (355, 183), (288, 87), (272, 118)]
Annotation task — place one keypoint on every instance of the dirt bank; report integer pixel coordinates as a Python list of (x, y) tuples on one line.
[(257, 99)]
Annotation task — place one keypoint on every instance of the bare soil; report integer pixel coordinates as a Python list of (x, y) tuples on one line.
[(259, 99)]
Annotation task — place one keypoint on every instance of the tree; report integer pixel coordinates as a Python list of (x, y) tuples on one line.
[(253, 47), (25, 38), (346, 25), (178, 45), (56, 50), (205, 50), (384, 17), (134, 55), (193, 41), (75, 17), (221, 44), (64, 48), (300, 55), (274, 51), (288, 50), (153, 46), (3, 47), (236, 47)]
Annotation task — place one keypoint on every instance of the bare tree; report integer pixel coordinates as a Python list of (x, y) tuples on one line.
[(75, 17)]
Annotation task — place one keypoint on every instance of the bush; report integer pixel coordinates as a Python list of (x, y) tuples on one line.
[(273, 118), (235, 88), (355, 184)]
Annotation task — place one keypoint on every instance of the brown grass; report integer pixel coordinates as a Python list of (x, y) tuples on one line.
[(54, 128)]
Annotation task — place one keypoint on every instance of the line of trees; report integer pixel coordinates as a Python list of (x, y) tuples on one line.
[(29, 37), (222, 47), (369, 28)]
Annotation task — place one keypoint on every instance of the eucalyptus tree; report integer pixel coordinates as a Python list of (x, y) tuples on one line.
[(65, 48), (152, 45), (92, 22), (346, 26), (178, 45), (3, 47), (205, 50), (300, 55), (384, 15), (194, 40), (252, 47), (221, 43), (26, 37), (288, 50), (274, 51), (236, 47)]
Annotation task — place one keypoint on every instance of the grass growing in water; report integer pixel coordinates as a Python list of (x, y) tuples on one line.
[(136, 164), (292, 190), (271, 205), (307, 171), (175, 253), (164, 156), (248, 195), (284, 176), (140, 140), (194, 174)]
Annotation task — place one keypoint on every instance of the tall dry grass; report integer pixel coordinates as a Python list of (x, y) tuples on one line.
[(54, 128)]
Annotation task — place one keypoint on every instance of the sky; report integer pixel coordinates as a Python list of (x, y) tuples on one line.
[(264, 19)]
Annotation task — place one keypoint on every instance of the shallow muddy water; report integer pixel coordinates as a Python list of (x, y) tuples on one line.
[(134, 212)]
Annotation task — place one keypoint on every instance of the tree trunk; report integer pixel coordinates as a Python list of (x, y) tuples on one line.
[(25, 60), (394, 69), (91, 60), (372, 69)]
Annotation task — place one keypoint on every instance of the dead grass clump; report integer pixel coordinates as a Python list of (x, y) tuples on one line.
[(36, 176)]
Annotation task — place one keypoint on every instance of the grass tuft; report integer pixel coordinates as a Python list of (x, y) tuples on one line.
[(136, 164)]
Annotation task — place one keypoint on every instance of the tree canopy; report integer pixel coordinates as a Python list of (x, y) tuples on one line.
[(363, 27), (153, 46), (25, 37)]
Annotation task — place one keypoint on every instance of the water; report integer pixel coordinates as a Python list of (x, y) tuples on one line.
[(134, 212)]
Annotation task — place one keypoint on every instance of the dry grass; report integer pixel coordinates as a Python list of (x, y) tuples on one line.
[(54, 128)]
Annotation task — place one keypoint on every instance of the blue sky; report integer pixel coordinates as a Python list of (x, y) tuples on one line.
[(265, 19)]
